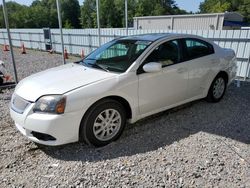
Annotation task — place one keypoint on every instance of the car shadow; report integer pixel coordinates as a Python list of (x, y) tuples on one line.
[(229, 118)]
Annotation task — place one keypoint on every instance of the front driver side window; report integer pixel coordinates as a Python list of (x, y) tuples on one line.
[(167, 54)]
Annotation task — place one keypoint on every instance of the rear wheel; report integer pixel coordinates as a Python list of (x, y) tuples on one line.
[(217, 89), (103, 123)]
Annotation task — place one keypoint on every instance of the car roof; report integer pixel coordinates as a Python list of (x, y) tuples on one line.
[(157, 36), (150, 37)]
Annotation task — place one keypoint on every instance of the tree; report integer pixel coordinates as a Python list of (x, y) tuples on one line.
[(15, 15), (241, 6), (71, 13), (112, 11), (214, 6), (43, 13), (244, 9), (68, 25), (120, 9), (88, 14)]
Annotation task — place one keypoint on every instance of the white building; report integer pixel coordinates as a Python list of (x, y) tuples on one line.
[(215, 21)]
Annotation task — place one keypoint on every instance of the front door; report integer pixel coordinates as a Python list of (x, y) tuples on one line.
[(167, 87)]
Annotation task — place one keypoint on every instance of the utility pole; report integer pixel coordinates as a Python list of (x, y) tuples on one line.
[(60, 27), (6, 20), (98, 22), (126, 16)]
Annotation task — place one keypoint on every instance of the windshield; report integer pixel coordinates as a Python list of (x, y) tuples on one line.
[(116, 56)]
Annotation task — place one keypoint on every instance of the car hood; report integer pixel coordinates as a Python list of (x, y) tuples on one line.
[(59, 80)]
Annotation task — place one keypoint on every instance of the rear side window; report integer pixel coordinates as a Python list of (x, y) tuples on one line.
[(197, 48)]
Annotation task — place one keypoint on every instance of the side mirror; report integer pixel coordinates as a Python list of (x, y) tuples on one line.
[(152, 67)]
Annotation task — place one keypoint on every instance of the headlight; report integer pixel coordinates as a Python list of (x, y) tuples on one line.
[(51, 104)]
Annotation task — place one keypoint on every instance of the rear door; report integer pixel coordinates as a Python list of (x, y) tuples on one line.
[(200, 58)]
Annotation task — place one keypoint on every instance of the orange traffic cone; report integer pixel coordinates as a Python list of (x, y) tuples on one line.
[(7, 77), (23, 50), (66, 56), (82, 54), (5, 47)]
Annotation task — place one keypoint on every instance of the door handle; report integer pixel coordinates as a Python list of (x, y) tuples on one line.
[(181, 70)]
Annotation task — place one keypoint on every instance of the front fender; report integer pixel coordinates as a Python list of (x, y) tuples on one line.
[(125, 86)]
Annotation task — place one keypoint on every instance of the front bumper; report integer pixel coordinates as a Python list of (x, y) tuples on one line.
[(62, 128)]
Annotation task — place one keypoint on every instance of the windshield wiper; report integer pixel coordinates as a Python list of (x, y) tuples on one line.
[(85, 63), (94, 65), (100, 67)]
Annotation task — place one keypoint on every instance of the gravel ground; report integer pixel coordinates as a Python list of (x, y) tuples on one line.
[(198, 145)]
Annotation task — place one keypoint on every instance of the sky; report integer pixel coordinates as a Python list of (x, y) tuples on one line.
[(189, 5)]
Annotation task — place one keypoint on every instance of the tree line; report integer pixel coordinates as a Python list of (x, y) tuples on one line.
[(216, 6), (43, 13), (112, 11)]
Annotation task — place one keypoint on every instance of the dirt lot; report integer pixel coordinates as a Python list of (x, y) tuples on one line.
[(198, 145)]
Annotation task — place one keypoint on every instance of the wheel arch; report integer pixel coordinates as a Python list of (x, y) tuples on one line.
[(119, 99), (224, 74)]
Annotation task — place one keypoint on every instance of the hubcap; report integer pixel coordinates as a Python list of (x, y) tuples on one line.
[(107, 124), (219, 87)]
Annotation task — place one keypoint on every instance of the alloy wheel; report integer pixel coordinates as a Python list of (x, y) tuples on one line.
[(219, 87), (107, 124)]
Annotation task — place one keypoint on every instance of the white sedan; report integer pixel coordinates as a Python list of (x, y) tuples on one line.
[(124, 80)]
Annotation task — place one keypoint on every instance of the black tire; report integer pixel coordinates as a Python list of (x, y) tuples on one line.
[(87, 129), (211, 96)]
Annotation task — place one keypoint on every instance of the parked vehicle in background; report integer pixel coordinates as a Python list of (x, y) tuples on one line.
[(4, 76), (124, 80)]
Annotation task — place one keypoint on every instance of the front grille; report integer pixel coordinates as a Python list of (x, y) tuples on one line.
[(19, 104)]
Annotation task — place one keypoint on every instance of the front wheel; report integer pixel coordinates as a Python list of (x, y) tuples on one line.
[(103, 123), (217, 89)]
